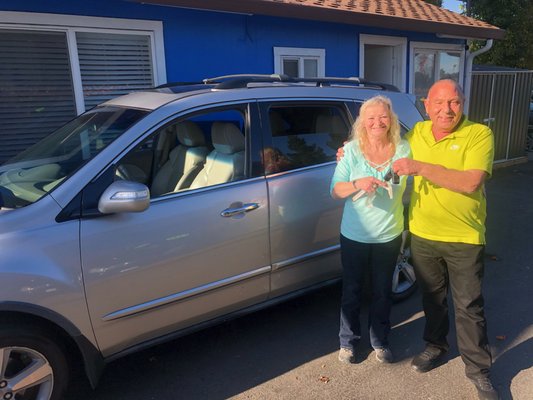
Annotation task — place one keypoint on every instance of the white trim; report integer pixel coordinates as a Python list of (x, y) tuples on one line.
[(75, 71), (300, 52), (395, 41), (17, 18), (438, 47)]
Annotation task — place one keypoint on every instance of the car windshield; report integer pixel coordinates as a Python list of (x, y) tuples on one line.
[(37, 170)]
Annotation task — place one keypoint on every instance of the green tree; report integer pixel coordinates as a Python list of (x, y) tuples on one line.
[(516, 17), (304, 154)]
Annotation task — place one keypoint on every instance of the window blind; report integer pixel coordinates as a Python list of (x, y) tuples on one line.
[(36, 91), (113, 64)]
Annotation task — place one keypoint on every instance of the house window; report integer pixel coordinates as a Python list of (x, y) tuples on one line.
[(55, 67), (431, 62), (113, 64), (299, 62)]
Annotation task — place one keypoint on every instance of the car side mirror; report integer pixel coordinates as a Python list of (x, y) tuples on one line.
[(124, 196)]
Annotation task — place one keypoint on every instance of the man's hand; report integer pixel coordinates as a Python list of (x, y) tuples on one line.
[(466, 182), (340, 152), (406, 166)]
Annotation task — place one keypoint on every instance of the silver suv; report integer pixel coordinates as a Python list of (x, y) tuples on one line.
[(162, 212)]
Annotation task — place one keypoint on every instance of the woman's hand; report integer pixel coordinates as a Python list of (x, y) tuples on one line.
[(369, 184)]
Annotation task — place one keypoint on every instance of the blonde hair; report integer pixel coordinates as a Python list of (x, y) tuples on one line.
[(359, 130)]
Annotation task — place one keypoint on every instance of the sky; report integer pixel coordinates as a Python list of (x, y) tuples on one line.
[(451, 5)]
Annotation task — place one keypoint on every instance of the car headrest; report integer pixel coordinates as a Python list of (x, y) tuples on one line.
[(330, 124), (227, 138), (189, 134)]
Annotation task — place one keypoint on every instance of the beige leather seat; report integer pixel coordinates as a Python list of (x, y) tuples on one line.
[(226, 162), (184, 161)]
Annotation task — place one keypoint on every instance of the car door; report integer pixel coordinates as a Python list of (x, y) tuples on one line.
[(301, 139), (181, 262)]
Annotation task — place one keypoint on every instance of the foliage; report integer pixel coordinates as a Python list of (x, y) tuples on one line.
[(302, 153), (516, 18)]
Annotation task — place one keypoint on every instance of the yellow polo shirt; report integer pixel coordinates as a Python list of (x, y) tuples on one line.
[(440, 214)]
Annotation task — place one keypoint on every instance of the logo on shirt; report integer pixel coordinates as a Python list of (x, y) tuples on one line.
[(455, 147)]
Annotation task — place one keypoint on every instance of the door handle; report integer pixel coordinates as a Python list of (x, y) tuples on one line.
[(241, 209)]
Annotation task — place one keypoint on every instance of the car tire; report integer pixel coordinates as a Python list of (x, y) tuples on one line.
[(404, 279), (32, 366)]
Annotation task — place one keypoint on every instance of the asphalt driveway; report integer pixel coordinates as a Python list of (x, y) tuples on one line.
[(290, 351)]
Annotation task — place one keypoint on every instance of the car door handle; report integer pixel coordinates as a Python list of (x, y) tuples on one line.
[(244, 208)]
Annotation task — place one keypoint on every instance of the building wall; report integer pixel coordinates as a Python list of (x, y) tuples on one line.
[(193, 45), (200, 44)]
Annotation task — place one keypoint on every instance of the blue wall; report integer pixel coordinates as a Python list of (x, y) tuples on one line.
[(201, 44)]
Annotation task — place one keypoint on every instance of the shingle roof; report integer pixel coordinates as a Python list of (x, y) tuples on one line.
[(409, 15)]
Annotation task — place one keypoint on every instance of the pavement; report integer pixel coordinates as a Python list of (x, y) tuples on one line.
[(290, 351)]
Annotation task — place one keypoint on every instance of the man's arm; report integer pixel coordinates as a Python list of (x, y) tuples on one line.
[(466, 182)]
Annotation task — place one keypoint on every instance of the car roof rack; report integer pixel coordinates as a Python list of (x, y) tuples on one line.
[(172, 84), (240, 81)]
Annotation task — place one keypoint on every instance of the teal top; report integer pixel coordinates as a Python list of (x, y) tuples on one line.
[(384, 220)]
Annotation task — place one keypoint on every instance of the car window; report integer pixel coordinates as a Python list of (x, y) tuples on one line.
[(303, 135), (41, 168), (203, 149)]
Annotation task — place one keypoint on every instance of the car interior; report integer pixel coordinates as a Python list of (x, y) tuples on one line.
[(201, 151)]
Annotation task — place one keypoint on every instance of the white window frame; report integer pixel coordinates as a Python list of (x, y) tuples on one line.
[(70, 24), (301, 53), (386, 41), (439, 47)]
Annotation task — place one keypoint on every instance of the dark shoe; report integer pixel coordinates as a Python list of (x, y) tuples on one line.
[(430, 358), (346, 356), (485, 390), (384, 355)]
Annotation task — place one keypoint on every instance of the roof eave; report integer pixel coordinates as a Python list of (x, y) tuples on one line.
[(337, 16)]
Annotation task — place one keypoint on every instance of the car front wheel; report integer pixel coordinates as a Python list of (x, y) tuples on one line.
[(403, 279), (32, 367)]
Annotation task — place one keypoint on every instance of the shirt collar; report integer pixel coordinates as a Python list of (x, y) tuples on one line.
[(458, 131)]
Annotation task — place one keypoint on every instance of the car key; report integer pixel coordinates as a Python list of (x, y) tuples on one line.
[(392, 175)]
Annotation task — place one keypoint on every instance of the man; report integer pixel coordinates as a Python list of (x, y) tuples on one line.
[(452, 157)]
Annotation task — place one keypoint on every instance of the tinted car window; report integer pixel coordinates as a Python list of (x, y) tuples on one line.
[(304, 135)]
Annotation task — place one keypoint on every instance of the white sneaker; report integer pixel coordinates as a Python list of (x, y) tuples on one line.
[(384, 355), (346, 356)]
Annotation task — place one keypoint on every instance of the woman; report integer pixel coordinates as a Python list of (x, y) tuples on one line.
[(372, 223)]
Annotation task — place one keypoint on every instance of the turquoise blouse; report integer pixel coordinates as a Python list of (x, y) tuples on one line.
[(384, 220)]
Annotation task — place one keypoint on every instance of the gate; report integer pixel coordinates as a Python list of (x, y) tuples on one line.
[(500, 98)]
